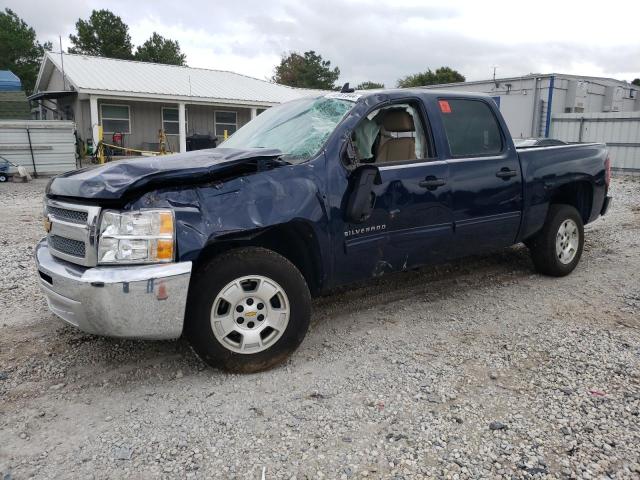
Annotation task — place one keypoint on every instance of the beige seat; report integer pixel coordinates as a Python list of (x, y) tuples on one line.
[(391, 148)]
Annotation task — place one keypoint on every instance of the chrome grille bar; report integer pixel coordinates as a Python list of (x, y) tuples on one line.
[(66, 215)]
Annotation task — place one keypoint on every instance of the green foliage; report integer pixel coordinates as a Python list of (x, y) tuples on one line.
[(368, 85), (103, 34), (306, 71), (636, 82), (441, 75), (160, 50), (20, 52)]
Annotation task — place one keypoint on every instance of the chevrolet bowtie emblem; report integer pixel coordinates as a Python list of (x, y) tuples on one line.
[(47, 224)]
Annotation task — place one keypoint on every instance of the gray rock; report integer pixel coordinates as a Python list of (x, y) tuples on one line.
[(496, 425)]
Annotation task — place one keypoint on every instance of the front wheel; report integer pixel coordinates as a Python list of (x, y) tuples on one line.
[(557, 248), (249, 309)]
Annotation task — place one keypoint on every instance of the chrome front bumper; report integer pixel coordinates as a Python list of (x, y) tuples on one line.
[(141, 301)]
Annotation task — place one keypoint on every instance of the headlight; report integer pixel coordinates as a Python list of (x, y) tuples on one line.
[(144, 236)]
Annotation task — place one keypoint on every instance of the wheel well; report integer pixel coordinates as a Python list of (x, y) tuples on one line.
[(578, 195), (295, 241)]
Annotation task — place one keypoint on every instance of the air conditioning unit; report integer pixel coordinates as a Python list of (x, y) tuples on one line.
[(613, 97), (576, 99)]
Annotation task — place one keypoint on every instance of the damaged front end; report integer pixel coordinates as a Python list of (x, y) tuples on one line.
[(126, 179)]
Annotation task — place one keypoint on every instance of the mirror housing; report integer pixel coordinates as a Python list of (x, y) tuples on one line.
[(361, 198)]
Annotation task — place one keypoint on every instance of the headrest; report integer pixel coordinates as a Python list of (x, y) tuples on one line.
[(397, 121)]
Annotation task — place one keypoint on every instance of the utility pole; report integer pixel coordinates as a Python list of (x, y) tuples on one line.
[(64, 81)]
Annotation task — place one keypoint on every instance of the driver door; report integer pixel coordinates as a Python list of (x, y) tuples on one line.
[(411, 221)]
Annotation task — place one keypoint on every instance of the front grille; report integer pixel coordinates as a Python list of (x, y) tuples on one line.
[(67, 246), (72, 216), (71, 231)]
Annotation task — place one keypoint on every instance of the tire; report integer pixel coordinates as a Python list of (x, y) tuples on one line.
[(224, 309), (557, 248), (3, 178)]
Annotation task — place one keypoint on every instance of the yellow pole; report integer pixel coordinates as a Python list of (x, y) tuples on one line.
[(226, 134), (100, 145)]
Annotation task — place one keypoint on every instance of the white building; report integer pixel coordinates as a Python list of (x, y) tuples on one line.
[(529, 102), (134, 100)]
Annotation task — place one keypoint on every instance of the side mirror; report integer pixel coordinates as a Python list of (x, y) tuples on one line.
[(361, 198)]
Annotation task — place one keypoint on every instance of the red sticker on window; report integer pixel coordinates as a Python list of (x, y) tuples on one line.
[(444, 106)]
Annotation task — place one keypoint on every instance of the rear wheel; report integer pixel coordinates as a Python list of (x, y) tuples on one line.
[(557, 248), (249, 309), (3, 177)]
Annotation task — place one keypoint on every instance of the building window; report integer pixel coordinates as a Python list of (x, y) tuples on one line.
[(115, 118), (170, 122), (225, 121)]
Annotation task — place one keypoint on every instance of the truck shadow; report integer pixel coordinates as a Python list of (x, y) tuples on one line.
[(433, 282), (84, 361)]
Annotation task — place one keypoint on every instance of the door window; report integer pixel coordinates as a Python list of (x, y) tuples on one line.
[(471, 127), (392, 134)]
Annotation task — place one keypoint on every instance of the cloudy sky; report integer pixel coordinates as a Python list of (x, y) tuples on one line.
[(375, 40)]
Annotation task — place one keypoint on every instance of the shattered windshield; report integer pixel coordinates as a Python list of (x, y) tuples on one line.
[(298, 128)]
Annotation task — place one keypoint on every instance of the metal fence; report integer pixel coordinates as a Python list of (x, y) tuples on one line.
[(41, 146), (619, 130)]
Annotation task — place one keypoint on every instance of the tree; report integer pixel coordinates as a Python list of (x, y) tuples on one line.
[(104, 35), (20, 52), (636, 82), (368, 85), (160, 50), (306, 71), (441, 75)]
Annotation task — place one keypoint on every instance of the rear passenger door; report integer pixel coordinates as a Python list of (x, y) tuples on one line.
[(485, 176)]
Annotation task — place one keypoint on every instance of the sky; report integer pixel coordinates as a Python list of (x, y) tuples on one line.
[(375, 40)]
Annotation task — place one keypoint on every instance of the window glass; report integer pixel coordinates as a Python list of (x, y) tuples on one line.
[(171, 128), (170, 123), (226, 121), (115, 111), (115, 119), (298, 128), (471, 127), (226, 117), (221, 127), (170, 114)]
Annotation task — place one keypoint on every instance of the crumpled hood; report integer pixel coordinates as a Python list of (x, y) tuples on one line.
[(114, 180)]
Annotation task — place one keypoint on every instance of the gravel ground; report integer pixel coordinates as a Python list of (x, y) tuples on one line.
[(475, 369)]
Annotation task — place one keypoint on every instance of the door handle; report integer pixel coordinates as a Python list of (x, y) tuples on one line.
[(431, 182), (506, 173)]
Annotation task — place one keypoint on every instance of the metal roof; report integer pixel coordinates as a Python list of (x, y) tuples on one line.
[(88, 74), (605, 81), (9, 81)]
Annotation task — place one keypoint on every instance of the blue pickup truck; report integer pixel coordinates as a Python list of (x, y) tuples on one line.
[(227, 246)]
